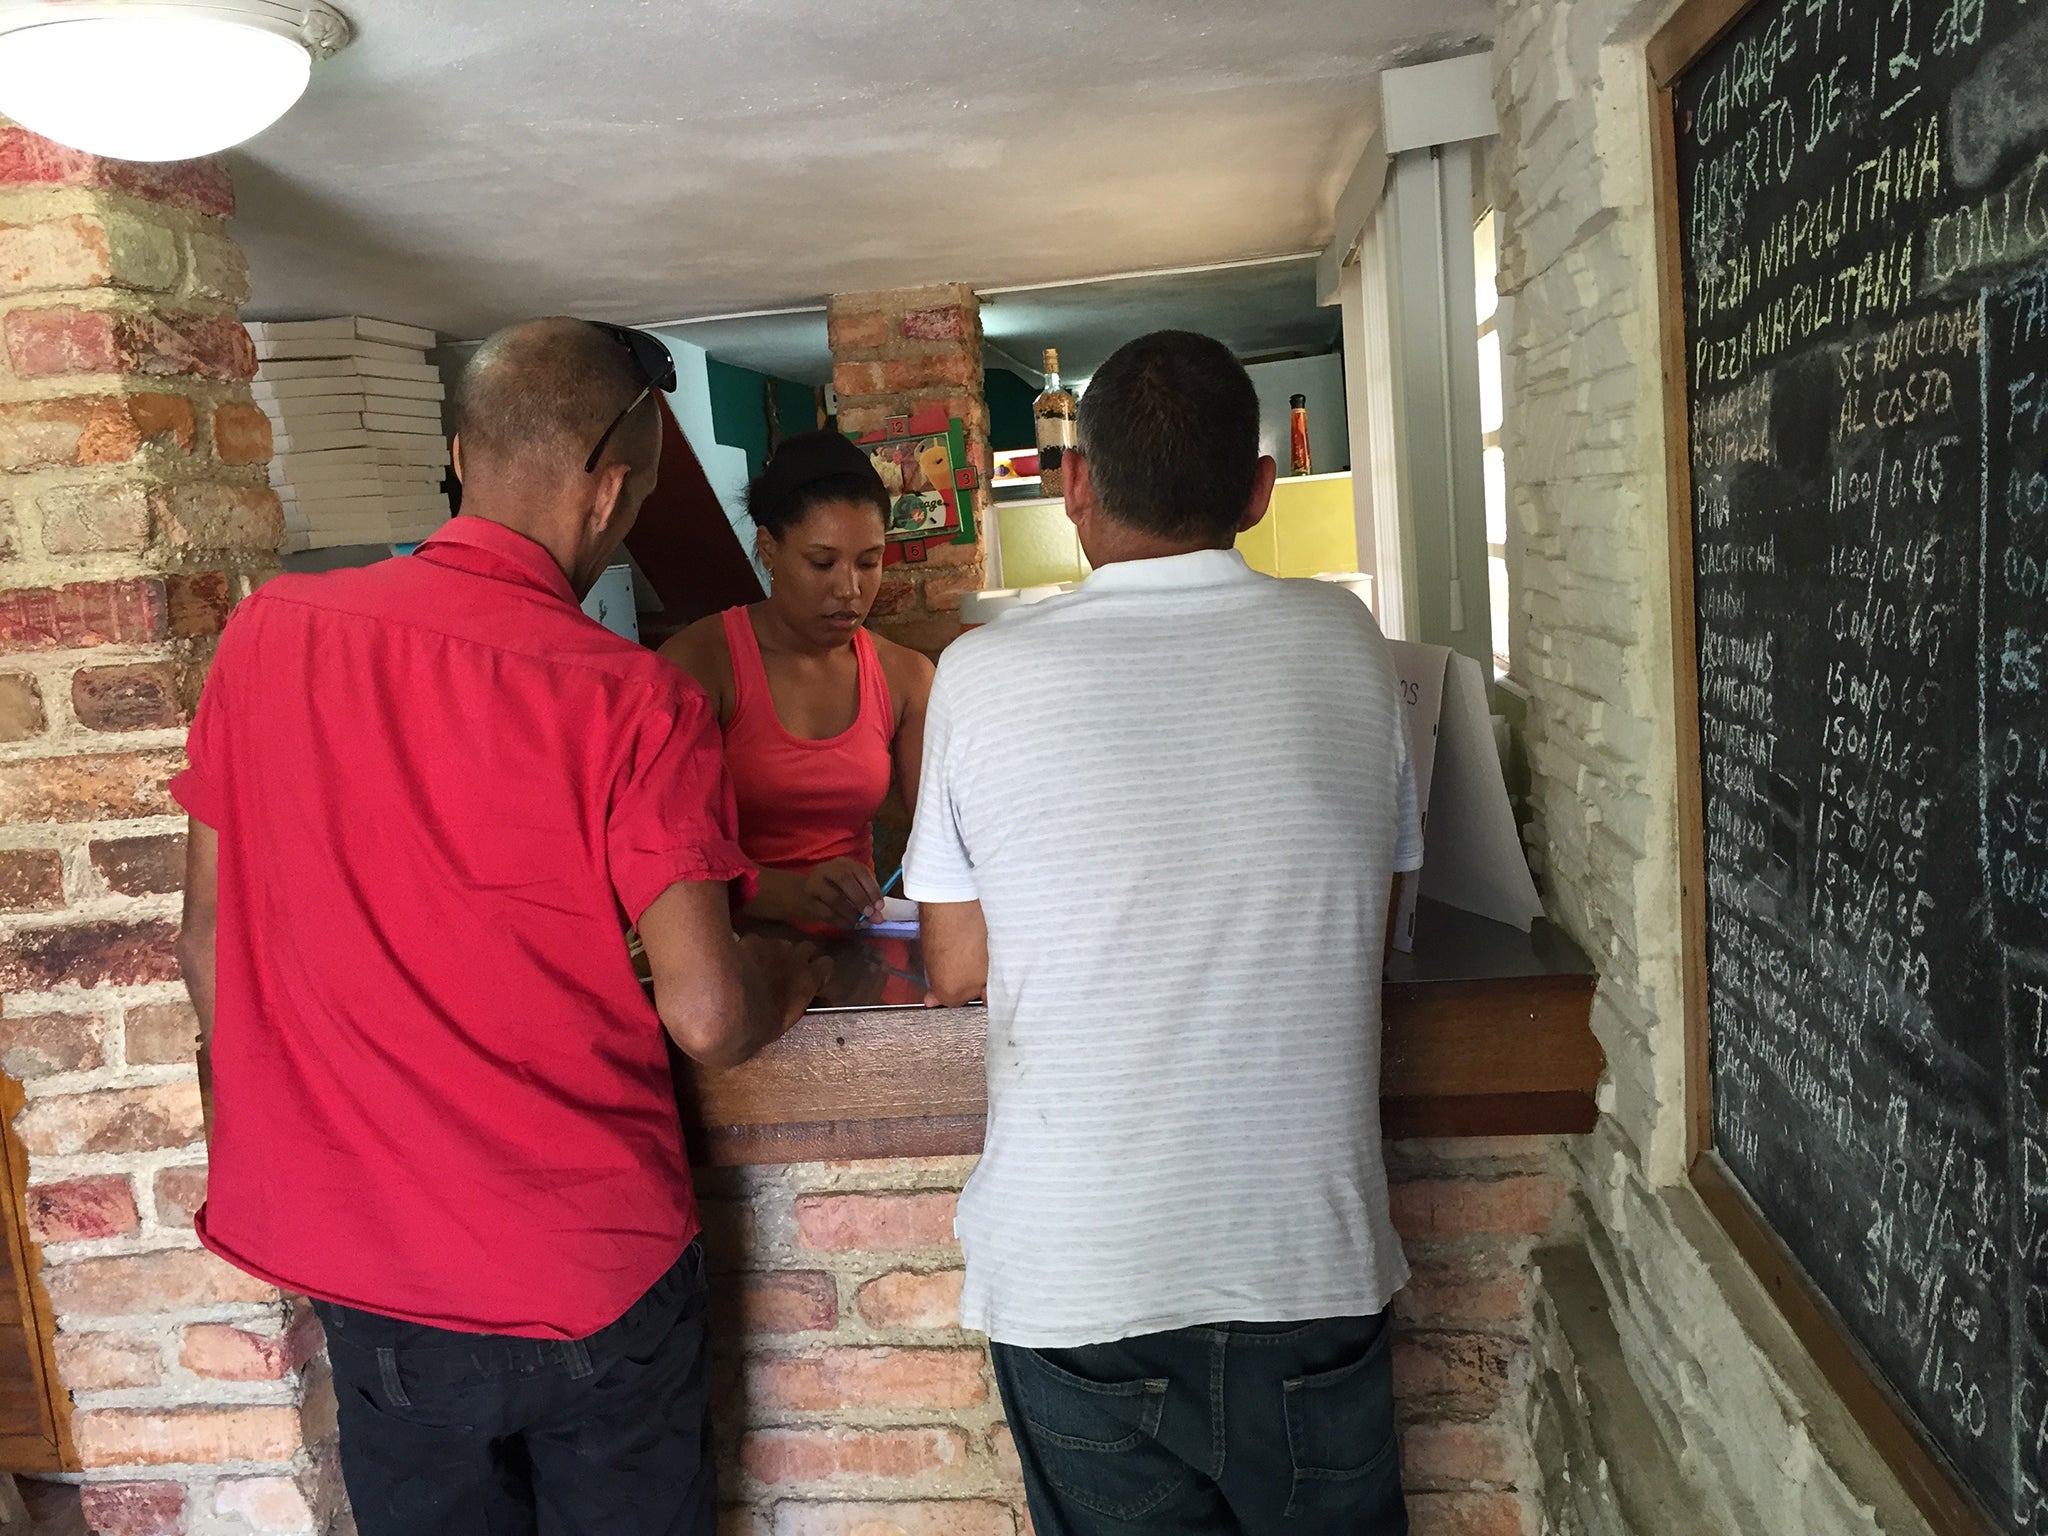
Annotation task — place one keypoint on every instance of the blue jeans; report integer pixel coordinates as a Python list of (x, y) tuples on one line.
[(1231, 1429), (477, 1434)]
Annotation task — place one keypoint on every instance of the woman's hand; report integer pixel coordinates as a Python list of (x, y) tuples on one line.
[(839, 892)]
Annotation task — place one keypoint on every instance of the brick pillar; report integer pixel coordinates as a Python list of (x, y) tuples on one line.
[(136, 511), (903, 351)]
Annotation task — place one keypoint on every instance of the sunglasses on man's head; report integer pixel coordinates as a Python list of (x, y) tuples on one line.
[(657, 366)]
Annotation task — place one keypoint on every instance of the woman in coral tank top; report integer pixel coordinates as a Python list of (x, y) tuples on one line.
[(819, 715)]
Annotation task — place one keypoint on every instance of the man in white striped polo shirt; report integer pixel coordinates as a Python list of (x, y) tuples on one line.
[(1159, 823)]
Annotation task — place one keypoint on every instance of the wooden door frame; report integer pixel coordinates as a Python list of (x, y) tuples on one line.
[(1948, 1505), (49, 1450)]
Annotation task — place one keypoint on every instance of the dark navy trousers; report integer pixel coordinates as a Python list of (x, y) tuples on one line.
[(1233, 1429), (464, 1434)]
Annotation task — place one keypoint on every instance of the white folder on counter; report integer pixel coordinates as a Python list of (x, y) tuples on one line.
[(1472, 855)]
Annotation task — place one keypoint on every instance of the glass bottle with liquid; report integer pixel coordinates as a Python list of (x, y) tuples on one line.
[(1053, 413), (1297, 432)]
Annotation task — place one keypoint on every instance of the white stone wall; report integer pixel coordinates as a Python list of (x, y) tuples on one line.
[(1587, 497), (1763, 1443)]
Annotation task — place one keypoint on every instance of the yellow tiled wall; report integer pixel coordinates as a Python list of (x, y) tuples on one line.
[(1308, 530), (1039, 546)]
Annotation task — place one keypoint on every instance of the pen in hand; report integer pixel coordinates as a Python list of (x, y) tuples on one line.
[(888, 885)]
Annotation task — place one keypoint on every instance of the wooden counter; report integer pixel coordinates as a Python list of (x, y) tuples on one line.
[(1487, 1033)]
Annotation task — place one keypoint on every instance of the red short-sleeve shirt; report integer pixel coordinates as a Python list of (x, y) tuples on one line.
[(440, 1091)]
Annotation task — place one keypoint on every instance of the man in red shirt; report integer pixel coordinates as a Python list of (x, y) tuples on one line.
[(426, 797)]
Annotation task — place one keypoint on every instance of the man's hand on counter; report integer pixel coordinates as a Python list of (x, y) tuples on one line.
[(722, 998), (955, 952), (792, 971)]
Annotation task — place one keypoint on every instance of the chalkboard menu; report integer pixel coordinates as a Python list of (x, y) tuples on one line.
[(1862, 206)]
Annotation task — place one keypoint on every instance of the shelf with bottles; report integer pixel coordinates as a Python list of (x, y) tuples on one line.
[(1016, 475)]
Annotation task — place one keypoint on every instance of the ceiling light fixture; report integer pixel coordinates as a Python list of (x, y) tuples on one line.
[(159, 79)]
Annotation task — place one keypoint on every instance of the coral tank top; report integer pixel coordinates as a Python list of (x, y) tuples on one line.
[(803, 802)]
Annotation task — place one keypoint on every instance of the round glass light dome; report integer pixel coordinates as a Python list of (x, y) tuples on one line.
[(152, 86)]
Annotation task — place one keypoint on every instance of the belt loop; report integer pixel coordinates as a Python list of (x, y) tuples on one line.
[(387, 1371), (579, 1359)]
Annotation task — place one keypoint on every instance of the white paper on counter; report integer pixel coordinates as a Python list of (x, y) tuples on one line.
[(899, 919), (1419, 670), (1473, 855)]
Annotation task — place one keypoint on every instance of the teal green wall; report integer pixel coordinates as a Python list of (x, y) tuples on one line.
[(737, 419), (1009, 410)]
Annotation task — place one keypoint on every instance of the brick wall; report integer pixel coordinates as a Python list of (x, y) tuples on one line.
[(848, 1398), (134, 512), (851, 1403), (1469, 1213), (1763, 1444), (894, 353)]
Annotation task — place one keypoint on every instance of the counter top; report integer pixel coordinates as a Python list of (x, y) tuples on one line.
[(1487, 1033)]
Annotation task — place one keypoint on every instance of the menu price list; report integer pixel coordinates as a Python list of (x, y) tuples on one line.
[(1864, 227)]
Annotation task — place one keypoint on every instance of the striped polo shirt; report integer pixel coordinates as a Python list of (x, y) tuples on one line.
[(1180, 794)]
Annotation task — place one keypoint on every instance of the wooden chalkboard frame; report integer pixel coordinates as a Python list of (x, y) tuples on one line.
[(1948, 1505)]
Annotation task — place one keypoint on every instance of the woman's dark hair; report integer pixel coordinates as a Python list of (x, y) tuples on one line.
[(807, 471)]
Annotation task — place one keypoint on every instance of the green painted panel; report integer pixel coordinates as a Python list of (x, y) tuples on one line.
[(740, 420), (1009, 410)]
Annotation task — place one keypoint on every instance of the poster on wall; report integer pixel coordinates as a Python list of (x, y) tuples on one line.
[(922, 459)]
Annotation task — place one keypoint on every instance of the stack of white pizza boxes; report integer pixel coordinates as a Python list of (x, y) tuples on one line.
[(355, 412)]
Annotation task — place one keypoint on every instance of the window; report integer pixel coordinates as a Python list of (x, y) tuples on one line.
[(1485, 266)]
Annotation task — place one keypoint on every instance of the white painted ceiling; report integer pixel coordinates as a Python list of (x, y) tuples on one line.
[(467, 163), (1259, 310)]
